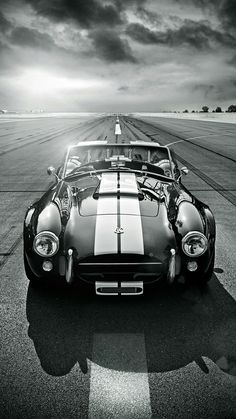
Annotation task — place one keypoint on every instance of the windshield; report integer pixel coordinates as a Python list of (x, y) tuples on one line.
[(110, 155)]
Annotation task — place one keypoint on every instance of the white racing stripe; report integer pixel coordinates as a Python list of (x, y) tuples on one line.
[(132, 239), (106, 205), (108, 183), (119, 386), (130, 217), (105, 239), (126, 215), (128, 183)]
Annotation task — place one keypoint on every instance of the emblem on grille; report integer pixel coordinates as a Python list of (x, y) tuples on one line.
[(119, 230)]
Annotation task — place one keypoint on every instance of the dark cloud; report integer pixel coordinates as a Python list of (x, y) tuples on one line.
[(124, 5), (225, 10), (227, 13), (148, 16), (198, 35), (110, 47), (4, 23), (222, 90), (88, 13), (194, 51), (100, 18), (142, 34), (85, 12), (201, 3), (3, 48), (123, 88), (232, 61), (31, 38), (207, 89)]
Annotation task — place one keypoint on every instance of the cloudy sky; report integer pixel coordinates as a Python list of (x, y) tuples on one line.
[(117, 55)]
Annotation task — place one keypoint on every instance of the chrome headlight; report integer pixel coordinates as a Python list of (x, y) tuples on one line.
[(46, 244), (194, 244)]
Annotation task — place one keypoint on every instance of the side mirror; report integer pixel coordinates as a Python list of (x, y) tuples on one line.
[(52, 171), (184, 171), (181, 172)]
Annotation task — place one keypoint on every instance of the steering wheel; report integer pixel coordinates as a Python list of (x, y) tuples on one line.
[(165, 166)]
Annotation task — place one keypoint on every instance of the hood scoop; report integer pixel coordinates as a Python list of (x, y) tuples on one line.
[(118, 193)]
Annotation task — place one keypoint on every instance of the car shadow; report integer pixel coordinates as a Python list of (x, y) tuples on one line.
[(180, 325)]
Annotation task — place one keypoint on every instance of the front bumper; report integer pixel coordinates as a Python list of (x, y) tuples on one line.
[(106, 268), (120, 268)]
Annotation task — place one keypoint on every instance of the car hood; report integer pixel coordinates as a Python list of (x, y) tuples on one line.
[(118, 219), (118, 194)]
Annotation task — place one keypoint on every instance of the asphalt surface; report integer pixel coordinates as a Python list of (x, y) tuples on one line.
[(168, 354)]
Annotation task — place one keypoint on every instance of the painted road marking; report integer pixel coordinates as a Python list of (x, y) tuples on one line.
[(119, 386), (117, 129)]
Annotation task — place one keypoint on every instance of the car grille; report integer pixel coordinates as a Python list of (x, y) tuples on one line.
[(120, 268)]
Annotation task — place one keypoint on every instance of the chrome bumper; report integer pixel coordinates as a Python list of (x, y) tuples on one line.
[(113, 288)]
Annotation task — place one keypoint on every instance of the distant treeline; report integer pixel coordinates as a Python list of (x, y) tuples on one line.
[(231, 108)]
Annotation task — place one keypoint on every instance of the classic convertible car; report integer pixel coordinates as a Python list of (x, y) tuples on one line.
[(118, 217)]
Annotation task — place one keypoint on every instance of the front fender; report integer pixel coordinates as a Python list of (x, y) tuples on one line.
[(39, 219), (188, 219), (210, 226), (49, 220)]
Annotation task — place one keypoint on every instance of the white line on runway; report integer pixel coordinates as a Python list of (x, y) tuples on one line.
[(119, 386), (117, 127)]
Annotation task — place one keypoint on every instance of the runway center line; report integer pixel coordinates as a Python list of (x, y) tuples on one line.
[(119, 386), (117, 129)]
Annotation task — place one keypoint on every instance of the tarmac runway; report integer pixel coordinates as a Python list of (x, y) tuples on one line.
[(166, 355)]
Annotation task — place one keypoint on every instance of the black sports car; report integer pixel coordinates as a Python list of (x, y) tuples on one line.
[(118, 217)]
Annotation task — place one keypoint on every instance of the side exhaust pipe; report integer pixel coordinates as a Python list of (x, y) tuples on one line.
[(69, 267), (171, 270)]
